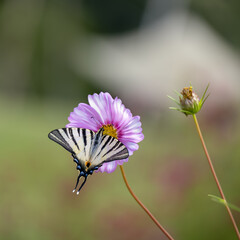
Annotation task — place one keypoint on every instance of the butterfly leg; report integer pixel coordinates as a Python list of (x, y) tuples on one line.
[(82, 184)]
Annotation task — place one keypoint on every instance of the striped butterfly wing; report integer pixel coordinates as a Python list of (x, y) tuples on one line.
[(106, 149), (87, 145), (75, 140)]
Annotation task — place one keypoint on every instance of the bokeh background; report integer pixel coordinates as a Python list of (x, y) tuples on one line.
[(54, 53)]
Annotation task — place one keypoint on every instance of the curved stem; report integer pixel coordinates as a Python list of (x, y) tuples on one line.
[(215, 176), (143, 207)]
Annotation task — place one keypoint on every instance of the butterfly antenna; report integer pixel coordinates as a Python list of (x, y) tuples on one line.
[(77, 182), (82, 185)]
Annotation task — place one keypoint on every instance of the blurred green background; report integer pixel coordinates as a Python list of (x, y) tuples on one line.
[(39, 87)]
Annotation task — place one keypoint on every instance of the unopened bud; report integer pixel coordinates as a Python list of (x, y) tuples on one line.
[(189, 101)]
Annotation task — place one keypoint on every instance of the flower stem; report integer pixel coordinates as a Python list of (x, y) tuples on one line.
[(143, 207), (215, 176)]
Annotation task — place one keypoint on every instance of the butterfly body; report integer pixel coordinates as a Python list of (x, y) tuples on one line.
[(89, 149)]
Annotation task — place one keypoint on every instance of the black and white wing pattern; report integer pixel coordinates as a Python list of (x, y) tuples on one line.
[(75, 140), (88, 146), (89, 149), (106, 149)]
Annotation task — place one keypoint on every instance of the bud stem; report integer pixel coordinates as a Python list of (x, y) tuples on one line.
[(215, 175), (143, 207)]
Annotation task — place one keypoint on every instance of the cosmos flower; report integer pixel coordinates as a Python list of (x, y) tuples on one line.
[(189, 102), (117, 121)]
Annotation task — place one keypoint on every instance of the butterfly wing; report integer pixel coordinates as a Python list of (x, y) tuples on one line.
[(87, 145), (75, 140), (106, 149)]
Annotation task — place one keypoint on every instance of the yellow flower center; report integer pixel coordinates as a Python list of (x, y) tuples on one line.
[(110, 130), (187, 93)]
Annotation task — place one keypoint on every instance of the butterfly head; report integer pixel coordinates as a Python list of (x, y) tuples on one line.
[(87, 165)]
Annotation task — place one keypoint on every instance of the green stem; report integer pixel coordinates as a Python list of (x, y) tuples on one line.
[(215, 176), (143, 207)]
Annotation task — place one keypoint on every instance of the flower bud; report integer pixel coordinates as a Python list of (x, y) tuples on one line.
[(189, 101)]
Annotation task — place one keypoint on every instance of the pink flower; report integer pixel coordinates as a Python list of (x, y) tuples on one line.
[(117, 121)]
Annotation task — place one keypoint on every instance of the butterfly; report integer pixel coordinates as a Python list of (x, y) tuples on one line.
[(89, 149)]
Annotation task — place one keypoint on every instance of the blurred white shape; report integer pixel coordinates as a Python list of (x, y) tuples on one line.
[(149, 64)]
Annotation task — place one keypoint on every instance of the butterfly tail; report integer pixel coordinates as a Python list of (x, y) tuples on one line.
[(82, 185)]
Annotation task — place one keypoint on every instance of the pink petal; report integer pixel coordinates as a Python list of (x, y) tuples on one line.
[(133, 124), (102, 104), (132, 132), (120, 162), (84, 116), (131, 147), (108, 167), (121, 115), (131, 137)]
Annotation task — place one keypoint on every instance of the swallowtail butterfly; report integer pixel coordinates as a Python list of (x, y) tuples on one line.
[(89, 149)]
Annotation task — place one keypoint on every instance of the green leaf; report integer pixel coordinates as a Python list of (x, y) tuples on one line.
[(203, 99), (173, 100), (179, 94), (222, 201), (205, 91)]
